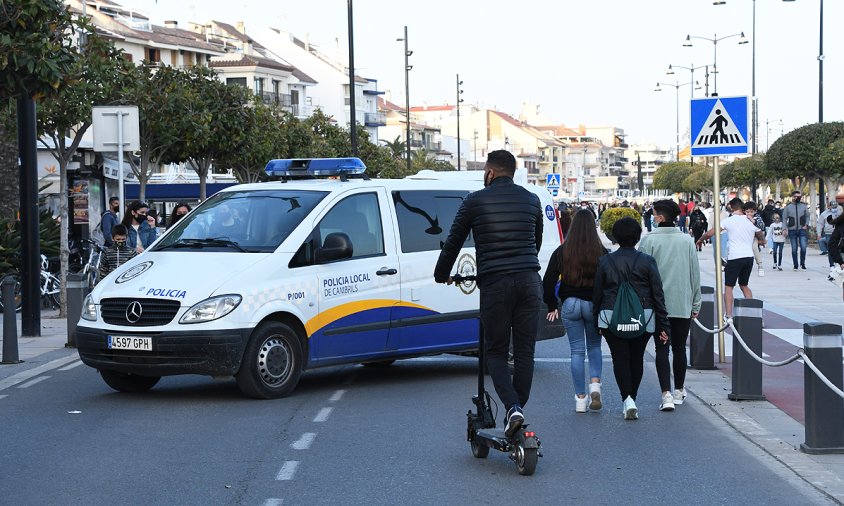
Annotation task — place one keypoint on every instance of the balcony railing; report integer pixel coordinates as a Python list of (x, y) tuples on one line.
[(269, 97), (375, 119), (416, 143), (433, 146)]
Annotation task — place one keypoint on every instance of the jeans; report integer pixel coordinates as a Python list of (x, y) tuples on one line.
[(777, 252), (627, 362), (677, 343), (583, 335), (793, 236), (510, 306), (823, 244)]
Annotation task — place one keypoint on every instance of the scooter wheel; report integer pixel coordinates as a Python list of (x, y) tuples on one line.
[(526, 462), (479, 451)]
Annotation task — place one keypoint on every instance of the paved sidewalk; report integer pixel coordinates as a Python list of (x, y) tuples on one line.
[(775, 426)]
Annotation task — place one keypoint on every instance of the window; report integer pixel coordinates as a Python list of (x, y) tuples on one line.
[(153, 55), (259, 85), (425, 218), (236, 81), (294, 97)]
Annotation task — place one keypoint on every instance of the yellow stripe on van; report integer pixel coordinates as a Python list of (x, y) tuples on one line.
[(332, 315)]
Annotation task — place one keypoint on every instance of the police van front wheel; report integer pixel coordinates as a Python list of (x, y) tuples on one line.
[(272, 362)]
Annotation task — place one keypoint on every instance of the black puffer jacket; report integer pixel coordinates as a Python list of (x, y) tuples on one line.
[(645, 280), (506, 223)]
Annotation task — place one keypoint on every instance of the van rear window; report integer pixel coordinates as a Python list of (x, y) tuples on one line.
[(425, 218), (254, 221)]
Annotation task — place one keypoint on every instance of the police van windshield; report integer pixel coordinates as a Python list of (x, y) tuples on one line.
[(254, 221)]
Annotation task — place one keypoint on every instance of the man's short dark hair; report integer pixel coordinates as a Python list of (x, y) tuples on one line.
[(112, 199), (735, 204), (119, 229), (770, 201), (796, 192), (749, 205), (667, 208), (626, 232), (502, 160)]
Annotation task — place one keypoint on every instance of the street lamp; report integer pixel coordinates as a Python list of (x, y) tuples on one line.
[(353, 112), (714, 41), (677, 86), (768, 130), (459, 101), (407, 68)]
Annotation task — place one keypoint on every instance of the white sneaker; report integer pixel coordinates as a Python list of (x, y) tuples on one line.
[(580, 404), (595, 395), (761, 272), (667, 403), (630, 411), (679, 396)]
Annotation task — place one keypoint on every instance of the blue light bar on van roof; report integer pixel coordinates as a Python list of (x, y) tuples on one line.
[(314, 167)]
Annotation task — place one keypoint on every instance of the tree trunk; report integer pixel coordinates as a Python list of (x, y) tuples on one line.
[(64, 250), (9, 178), (813, 199)]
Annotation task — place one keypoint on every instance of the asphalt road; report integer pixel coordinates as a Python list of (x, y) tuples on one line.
[(355, 435)]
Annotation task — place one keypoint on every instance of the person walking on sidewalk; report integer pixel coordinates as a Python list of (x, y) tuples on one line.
[(698, 225), (573, 264), (742, 235), (679, 269), (506, 222), (835, 245), (776, 238), (117, 254), (617, 272), (796, 218), (749, 209)]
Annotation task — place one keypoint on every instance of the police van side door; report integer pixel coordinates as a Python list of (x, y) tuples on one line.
[(356, 294)]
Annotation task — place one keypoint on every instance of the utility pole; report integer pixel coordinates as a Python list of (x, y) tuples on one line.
[(353, 120), (459, 100)]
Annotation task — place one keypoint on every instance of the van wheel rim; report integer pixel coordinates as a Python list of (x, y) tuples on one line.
[(274, 361)]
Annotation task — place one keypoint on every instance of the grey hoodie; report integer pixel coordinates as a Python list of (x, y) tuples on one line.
[(796, 216)]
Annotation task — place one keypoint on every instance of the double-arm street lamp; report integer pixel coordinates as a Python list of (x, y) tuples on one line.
[(459, 101), (677, 86), (715, 40), (670, 72), (407, 68)]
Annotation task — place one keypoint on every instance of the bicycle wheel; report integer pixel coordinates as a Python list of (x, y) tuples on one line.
[(17, 293), (53, 291)]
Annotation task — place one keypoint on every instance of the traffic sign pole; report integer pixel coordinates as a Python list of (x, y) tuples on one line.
[(719, 278)]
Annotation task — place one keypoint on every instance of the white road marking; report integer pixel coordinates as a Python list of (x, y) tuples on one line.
[(323, 414), (29, 383), (337, 396), (31, 373), (287, 471), (71, 366), (304, 442), (273, 502)]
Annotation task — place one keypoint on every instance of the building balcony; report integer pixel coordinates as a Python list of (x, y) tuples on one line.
[(375, 119), (269, 98)]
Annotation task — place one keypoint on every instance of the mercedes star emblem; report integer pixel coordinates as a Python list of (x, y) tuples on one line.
[(134, 312)]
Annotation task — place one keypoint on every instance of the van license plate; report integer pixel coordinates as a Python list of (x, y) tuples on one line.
[(129, 343)]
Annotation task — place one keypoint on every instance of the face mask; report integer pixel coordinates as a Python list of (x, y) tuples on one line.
[(120, 243), (798, 199), (141, 217)]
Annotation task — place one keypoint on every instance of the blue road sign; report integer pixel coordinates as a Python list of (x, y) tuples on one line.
[(719, 126), (552, 181)]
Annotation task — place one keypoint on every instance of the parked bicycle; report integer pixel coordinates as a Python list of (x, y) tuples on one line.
[(51, 287), (91, 267)]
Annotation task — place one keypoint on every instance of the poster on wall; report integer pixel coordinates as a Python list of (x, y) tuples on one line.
[(79, 193)]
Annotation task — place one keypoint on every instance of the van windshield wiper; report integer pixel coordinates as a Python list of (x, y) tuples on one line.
[(209, 241)]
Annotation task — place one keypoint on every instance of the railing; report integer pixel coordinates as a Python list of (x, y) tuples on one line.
[(269, 97), (416, 143), (433, 146), (375, 118)]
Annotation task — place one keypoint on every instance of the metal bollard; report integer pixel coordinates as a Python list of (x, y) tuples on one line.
[(702, 344), (10, 323), (747, 372), (824, 408), (77, 290)]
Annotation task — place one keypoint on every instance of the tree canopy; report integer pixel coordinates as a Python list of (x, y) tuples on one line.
[(670, 176), (803, 151)]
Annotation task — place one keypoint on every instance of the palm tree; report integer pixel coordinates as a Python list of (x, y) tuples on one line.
[(397, 147)]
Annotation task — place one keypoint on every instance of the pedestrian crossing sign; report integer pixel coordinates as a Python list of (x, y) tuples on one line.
[(719, 126), (552, 181)]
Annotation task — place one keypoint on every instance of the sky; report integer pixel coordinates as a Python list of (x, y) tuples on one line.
[(591, 62)]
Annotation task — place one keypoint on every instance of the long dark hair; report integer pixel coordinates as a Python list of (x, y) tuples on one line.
[(579, 254), (128, 217), (174, 216)]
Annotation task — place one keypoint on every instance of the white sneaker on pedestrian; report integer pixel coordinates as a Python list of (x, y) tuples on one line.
[(580, 404), (595, 395), (667, 403), (679, 396), (630, 411), (761, 272)]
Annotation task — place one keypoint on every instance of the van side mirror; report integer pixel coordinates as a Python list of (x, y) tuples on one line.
[(337, 246)]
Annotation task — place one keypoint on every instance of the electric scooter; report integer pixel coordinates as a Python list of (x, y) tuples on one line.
[(481, 432)]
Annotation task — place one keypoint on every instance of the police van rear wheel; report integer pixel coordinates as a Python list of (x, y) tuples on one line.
[(130, 383), (271, 363)]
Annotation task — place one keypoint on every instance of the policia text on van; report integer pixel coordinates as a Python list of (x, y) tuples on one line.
[(262, 281)]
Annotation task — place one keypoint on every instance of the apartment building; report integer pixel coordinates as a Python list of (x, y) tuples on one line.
[(422, 136), (651, 157)]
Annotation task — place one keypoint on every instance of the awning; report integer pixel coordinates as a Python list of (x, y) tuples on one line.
[(172, 192)]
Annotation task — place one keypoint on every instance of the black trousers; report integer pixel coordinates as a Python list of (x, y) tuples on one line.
[(628, 357), (510, 304), (677, 343)]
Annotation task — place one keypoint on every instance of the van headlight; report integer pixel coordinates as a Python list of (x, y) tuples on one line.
[(211, 309), (89, 309)]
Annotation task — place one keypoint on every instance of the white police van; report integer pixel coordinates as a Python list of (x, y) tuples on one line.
[(262, 281)]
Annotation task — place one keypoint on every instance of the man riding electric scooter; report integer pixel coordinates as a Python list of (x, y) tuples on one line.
[(506, 222)]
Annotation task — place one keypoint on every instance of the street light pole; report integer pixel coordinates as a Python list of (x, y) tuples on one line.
[(459, 100), (407, 68), (714, 41), (352, 110), (676, 86)]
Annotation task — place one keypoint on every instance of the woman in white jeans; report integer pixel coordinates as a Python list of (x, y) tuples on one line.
[(573, 265)]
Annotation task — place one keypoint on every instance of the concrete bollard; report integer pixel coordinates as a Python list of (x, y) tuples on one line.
[(747, 372), (824, 408), (10, 322), (77, 290), (702, 344)]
